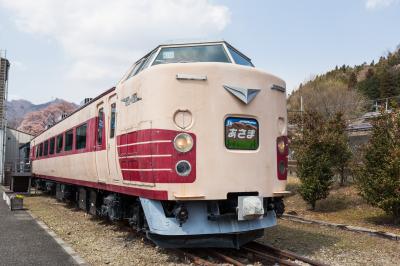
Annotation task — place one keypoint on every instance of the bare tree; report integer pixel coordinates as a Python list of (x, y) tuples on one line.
[(329, 97)]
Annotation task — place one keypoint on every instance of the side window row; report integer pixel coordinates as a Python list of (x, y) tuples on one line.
[(65, 141), (55, 144)]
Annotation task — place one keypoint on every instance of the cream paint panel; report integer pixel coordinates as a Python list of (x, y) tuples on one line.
[(66, 167), (217, 167)]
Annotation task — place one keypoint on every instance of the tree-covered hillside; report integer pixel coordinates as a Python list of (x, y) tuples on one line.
[(347, 88)]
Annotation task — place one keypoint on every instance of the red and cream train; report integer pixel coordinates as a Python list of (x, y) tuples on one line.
[(190, 146)]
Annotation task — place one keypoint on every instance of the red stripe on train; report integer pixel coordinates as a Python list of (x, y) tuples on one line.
[(132, 191), (146, 163), (147, 135), (146, 148), (139, 162)]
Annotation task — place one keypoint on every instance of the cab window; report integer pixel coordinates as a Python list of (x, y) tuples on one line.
[(189, 54), (239, 59)]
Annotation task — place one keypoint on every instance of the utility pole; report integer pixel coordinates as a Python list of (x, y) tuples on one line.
[(301, 111)]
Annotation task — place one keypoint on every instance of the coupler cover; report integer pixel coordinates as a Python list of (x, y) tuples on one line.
[(250, 208)]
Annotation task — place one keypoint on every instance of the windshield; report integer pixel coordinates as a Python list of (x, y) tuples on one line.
[(188, 54)]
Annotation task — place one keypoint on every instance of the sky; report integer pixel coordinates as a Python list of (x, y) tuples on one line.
[(77, 49)]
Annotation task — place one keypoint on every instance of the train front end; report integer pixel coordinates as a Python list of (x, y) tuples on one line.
[(224, 122)]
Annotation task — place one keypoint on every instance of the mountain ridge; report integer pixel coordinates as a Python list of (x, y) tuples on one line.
[(33, 118)]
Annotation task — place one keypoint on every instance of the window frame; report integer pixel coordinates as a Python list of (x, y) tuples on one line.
[(65, 141), (41, 150), (52, 150), (136, 68), (76, 135), (46, 149), (113, 115), (62, 143), (98, 131), (230, 47)]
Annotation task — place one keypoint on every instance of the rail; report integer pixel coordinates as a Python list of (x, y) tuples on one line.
[(253, 252)]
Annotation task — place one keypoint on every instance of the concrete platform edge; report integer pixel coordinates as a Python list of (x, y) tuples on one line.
[(67, 248)]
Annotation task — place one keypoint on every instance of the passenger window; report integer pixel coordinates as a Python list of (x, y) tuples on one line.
[(52, 144), (59, 143), (69, 139), (100, 126), (81, 137), (46, 148), (40, 149), (112, 121)]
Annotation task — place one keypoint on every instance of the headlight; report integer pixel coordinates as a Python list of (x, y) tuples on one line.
[(281, 146), (183, 142), (183, 168)]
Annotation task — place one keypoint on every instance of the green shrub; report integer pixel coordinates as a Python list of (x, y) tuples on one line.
[(321, 149), (378, 177)]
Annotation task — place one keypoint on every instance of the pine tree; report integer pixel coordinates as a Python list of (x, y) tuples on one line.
[(378, 175), (321, 149), (387, 84)]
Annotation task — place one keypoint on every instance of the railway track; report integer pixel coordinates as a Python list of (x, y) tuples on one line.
[(253, 252)]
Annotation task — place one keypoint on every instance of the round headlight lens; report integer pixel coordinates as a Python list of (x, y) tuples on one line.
[(183, 168), (183, 142), (281, 146)]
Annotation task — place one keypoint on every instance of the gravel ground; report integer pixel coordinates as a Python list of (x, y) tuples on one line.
[(96, 240), (102, 243)]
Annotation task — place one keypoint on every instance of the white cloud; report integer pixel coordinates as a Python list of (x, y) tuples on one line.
[(101, 37), (373, 4)]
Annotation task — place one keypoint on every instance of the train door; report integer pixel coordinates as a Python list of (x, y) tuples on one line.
[(112, 155), (100, 146)]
